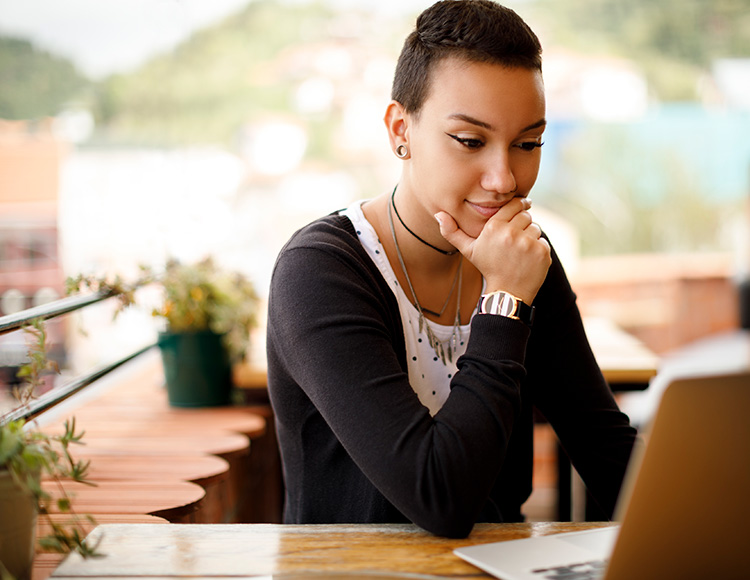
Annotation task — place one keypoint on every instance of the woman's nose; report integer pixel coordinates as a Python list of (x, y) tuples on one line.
[(498, 176)]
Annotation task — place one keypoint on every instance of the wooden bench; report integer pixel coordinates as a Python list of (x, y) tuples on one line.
[(133, 419), (173, 500), (230, 447), (210, 473)]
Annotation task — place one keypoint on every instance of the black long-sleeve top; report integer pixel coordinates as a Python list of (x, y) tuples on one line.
[(357, 446)]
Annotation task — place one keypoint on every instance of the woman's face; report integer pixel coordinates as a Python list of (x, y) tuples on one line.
[(476, 142)]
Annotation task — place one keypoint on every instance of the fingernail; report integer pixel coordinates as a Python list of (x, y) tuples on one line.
[(437, 218)]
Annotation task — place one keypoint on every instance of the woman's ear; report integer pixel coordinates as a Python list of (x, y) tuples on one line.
[(397, 124)]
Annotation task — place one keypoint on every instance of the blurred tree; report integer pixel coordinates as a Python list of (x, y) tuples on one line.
[(626, 194), (34, 83), (674, 41)]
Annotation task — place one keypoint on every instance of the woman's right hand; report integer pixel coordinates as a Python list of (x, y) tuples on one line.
[(509, 252)]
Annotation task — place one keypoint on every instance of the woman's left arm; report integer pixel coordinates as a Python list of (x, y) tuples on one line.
[(570, 391)]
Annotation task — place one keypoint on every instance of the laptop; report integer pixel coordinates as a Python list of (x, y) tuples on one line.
[(684, 509)]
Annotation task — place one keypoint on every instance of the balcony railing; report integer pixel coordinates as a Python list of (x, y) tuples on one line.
[(19, 320)]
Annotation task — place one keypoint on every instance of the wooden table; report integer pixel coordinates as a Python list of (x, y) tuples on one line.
[(293, 551), (46, 562), (626, 363)]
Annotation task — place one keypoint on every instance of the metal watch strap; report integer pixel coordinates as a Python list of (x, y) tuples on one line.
[(505, 304)]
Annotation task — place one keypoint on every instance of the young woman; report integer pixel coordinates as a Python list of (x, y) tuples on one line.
[(411, 336)]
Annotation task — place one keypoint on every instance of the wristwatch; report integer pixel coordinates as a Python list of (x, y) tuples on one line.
[(505, 304)]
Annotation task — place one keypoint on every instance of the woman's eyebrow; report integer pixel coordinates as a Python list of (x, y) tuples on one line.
[(540, 123), (469, 119)]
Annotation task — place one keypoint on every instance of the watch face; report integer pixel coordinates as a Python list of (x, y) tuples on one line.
[(500, 303), (507, 305)]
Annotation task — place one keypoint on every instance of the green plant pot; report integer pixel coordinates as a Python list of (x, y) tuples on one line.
[(17, 527), (196, 368)]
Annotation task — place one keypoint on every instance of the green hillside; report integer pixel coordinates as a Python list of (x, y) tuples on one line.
[(673, 41), (243, 67), (214, 82), (35, 83)]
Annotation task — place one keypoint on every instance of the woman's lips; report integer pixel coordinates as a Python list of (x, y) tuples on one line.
[(486, 211)]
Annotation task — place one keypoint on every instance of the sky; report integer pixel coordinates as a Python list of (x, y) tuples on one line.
[(106, 36)]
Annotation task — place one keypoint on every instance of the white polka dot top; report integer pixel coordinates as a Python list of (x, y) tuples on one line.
[(428, 375)]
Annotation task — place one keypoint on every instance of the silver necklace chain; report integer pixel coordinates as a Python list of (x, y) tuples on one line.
[(456, 278), (442, 351)]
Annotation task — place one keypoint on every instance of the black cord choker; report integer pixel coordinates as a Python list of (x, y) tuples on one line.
[(425, 242)]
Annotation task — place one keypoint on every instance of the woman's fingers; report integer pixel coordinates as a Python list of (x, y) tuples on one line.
[(453, 234), (509, 252), (534, 229), (522, 220), (511, 209)]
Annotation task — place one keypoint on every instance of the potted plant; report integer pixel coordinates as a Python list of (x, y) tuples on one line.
[(26, 457), (208, 314)]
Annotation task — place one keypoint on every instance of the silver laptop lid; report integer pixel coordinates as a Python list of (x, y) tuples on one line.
[(687, 498)]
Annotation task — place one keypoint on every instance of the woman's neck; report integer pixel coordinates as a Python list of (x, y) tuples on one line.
[(432, 274), (418, 255)]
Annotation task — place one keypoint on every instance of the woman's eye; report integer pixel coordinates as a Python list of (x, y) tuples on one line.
[(529, 145), (467, 142)]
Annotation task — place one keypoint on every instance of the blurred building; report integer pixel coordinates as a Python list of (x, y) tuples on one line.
[(30, 270)]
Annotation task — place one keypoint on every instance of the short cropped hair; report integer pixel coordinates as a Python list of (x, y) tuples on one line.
[(473, 30)]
